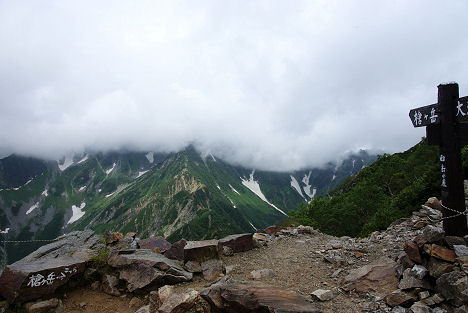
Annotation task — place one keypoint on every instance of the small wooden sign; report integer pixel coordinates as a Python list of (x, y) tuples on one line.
[(425, 116)]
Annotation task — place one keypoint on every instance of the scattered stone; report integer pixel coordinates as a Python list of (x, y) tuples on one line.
[(155, 243), (141, 268), (430, 234), (462, 309), (176, 251), (412, 251), (301, 229), (323, 294), (419, 307), (130, 235), (273, 230), (227, 251), (424, 295), (379, 277), (164, 293), (410, 281), (212, 269), (438, 267), (43, 306), (91, 274), (336, 273), (135, 303), (144, 309), (460, 250), (440, 252), (259, 274), (96, 286), (400, 298), (109, 285), (238, 243), (463, 261), (193, 267), (230, 268), (260, 240), (399, 309), (419, 271), (188, 302), (234, 296), (201, 250)]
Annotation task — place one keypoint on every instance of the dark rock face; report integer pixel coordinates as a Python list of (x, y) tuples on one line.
[(454, 286), (51, 266), (233, 296), (141, 268), (238, 243), (176, 251), (201, 251), (155, 242)]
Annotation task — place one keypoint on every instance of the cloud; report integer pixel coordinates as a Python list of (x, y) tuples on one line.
[(260, 83)]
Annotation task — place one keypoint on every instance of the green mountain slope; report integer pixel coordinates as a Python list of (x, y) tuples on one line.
[(392, 187), (179, 195)]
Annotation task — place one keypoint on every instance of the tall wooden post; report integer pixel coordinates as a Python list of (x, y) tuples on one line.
[(453, 196)]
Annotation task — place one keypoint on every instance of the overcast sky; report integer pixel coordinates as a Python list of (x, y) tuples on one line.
[(267, 84)]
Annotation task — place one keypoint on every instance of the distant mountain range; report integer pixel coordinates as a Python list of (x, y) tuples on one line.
[(177, 195)]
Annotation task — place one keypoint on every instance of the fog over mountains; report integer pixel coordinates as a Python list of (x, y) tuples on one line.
[(266, 85)]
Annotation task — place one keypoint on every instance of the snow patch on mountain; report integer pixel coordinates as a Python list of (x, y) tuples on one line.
[(150, 157), (66, 163), (45, 193), (233, 205), (83, 159), (35, 206), (77, 213), (213, 157), (82, 188), (233, 189), (255, 188), (307, 186), (141, 173), (217, 186), (253, 226), (295, 185), (111, 169), (109, 195)]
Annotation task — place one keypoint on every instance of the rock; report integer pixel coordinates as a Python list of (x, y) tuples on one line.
[(112, 237), (227, 251), (212, 269), (164, 293), (238, 243), (423, 295), (189, 302), (144, 309), (463, 261), (141, 268), (259, 240), (461, 309), (438, 267), (127, 243), (271, 230), (453, 286), (176, 251), (430, 234), (335, 244), (193, 267), (109, 285), (154, 302), (460, 250), (259, 274), (49, 267), (323, 294), (399, 309), (412, 250), (235, 296), (419, 307), (91, 274), (440, 252), (379, 277), (201, 251), (410, 281), (450, 241), (419, 271), (400, 298), (135, 303), (130, 235), (439, 310), (50, 305), (155, 242), (96, 286), (301, 229)]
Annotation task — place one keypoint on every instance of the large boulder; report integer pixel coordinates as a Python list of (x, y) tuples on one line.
[(141, 268), (176, 251), (236, 296), (40, 273), (453, 286), (201, 251), (238, 243)]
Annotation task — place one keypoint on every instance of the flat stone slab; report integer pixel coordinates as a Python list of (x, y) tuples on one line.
[(141, 268), (237, 296), (155, 243)]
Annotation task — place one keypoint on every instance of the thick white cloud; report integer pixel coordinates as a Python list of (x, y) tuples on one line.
[(267, 84)]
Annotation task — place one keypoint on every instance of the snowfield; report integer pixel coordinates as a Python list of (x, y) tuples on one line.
[(77, 213)]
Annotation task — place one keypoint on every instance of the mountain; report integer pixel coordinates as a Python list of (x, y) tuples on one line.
[(388, 189), (177, 195)]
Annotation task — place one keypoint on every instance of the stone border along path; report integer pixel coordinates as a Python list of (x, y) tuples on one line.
[(332, 274)]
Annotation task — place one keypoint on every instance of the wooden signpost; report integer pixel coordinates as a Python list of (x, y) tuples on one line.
[(446, 125)]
